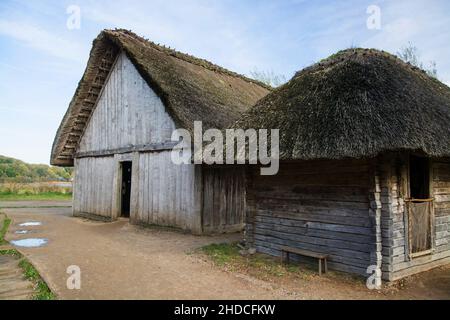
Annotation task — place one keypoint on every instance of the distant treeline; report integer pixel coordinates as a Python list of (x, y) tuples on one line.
[(13, 170)]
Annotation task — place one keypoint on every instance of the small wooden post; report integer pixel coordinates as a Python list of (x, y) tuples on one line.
[(320, 267)]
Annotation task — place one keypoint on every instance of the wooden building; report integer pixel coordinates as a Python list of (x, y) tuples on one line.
[(364, 166), (117, 133)]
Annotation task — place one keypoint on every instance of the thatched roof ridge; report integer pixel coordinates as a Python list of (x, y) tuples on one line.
[(357, 103), (190, 88), (117, 34)]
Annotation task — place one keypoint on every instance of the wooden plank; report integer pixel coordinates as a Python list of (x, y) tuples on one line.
[(304, 252), (124, 101)]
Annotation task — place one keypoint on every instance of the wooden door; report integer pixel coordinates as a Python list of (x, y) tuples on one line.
[(419, 206), (420, 226), (223, 198)]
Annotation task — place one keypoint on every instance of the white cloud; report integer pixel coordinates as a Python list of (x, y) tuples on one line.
[(203, 29), (421, 23), (40, 39), (394, 34)]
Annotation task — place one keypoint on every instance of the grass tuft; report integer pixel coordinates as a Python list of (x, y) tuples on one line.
[(222, 253), (3, 230), (42, 290), (227, 256)]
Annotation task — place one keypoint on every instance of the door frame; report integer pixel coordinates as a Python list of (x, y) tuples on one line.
[(408, 199), (122, 172), (117, 185)]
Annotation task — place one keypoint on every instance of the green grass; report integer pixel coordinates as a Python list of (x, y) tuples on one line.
[(46, 196), (11, 252), (42, 291), (222, 253), (262, 266), (3, 230)]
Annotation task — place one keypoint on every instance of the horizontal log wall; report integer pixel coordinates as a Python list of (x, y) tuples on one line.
[(93, 191), (441, 190), (321, 206)]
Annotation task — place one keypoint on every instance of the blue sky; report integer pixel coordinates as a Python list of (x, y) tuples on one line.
[(41, 60)]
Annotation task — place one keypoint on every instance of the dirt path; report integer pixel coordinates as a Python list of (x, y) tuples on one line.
[(34, 204), (121, 261)]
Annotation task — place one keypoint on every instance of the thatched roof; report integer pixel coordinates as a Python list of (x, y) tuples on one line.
[(357, 103), (191, 88)]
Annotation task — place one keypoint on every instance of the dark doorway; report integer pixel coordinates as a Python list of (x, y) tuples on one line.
[(419, 206), (419, 177), (126, 188)]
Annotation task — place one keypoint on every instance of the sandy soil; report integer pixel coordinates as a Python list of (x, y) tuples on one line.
[(122, 261)]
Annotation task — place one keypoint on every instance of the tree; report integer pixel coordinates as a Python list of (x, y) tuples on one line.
[(268, 77), (411, 54), (14, 170)]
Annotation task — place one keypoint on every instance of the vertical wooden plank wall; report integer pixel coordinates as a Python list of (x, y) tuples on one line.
[(128, 113), (223, 198), (167, 192), (93, 192)]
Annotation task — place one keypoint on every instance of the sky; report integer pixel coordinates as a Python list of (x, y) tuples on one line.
[(43, 53)]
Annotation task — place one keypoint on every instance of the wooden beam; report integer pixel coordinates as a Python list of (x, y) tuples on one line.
[(99, 79), (74, 134), (85, 110), (104, 69), (97, 86), (68, 155), (94, 91), (92, 102), (154, 147)]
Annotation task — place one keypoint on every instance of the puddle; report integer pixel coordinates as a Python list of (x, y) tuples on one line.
[(30, 224), (22, 232), (29, 243)]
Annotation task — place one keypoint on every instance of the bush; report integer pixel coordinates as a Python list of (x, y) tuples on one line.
[(35, 188)]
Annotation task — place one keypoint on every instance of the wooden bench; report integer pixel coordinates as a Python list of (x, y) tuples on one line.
[(285, 251)]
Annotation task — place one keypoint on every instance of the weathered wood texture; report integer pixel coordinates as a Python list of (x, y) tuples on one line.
[(93, 191), (130, 123), (322, 206), (128, 113), (168, 194), (223, 198), (395, 189)]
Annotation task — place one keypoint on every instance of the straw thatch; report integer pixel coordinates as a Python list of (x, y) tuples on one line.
[(357, 103), (191, 88)]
